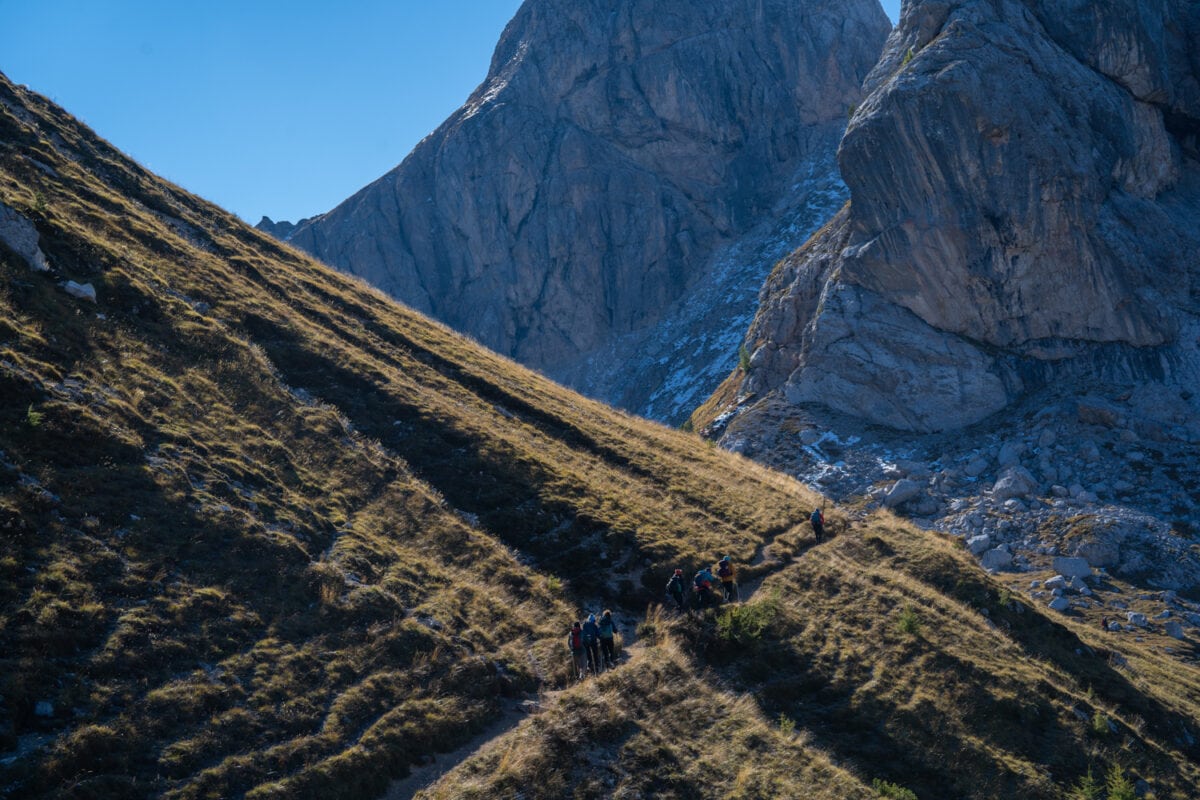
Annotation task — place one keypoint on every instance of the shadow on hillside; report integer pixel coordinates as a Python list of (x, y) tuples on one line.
[(504, 490)]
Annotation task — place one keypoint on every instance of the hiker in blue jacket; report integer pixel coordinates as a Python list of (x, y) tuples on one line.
[(608, 630), (702, 586), (591, 643)]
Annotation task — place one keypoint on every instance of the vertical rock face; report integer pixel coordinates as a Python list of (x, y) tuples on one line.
[(613, 151), (1025, 209)]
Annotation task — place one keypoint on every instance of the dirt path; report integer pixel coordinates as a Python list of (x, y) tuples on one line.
[(422, 777)]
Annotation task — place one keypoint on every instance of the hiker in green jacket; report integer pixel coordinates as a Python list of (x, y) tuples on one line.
[(608, 630)]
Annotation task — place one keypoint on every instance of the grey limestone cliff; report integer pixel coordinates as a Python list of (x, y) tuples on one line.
[(1025, 211), (607, 168)]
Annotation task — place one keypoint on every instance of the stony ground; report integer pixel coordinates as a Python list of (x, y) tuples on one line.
[(1110, 478)]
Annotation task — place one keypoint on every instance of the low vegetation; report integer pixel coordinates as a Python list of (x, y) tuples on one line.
[(265, 533)]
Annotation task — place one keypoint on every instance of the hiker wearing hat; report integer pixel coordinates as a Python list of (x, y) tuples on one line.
[(728, 576), (608, 630), (675, 588), (591, 643)]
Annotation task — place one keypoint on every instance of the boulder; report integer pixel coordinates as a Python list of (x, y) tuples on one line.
[(1057, 582), (1010, 454), (1014, 482), (1059, 604), (976, 467), (83, 291), (1173, 629), (978, 544), (1094, 411), (901, 492), (20, 235), (1072, 567), (996, 559), (1137, 619)]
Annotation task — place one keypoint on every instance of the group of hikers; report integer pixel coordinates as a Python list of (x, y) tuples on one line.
[(592, 644), (704, 582), (704, 585)]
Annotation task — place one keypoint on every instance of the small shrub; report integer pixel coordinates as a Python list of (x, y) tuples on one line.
[(892, 790), (787, 725), (34, 418), (1088, 788), (1100, 724), (743, 359), (907, 58), (554, 584), (1118, 785), (746, 623), (909, 622)]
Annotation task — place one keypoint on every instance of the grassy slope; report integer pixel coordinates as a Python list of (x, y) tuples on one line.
[(257, 522), (264, 532), (895, 659)]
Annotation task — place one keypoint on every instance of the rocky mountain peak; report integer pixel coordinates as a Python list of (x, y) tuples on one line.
[(1025, 207), (613, 152)]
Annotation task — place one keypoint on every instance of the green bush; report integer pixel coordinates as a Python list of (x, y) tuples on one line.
[(1118, 785), (892, 790), (743, 624), (909, 621), (1088, 788), (743, 359)]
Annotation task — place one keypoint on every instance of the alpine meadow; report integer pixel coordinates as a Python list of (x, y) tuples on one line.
[(267, 533)]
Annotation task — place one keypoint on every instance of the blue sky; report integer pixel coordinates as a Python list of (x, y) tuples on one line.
[(263, 107)]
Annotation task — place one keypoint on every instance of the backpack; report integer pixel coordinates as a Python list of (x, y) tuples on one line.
[(675, 585), (816, 516), (606, 628), (725, 571), (575, 640)]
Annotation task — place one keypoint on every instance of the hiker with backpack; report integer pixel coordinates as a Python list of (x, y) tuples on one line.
[(575, 645), (818, 524), (728, 577), (608, 630), (702, 587), (591, 643), (675, 589)]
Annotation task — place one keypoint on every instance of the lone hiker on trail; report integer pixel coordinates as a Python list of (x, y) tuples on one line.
[(575, 645), (728, 576), (675, 588), (702, 585), (608, 629), (591, 636), (818, 522)]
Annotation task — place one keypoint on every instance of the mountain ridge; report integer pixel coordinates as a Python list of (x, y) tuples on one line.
[(596, 175)]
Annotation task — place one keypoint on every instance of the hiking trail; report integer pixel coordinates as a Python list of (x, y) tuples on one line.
[(424, 776)]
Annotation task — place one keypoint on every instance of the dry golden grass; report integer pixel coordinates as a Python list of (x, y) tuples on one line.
[(266, 533), (261, 525), (658, 727)]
